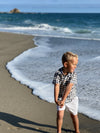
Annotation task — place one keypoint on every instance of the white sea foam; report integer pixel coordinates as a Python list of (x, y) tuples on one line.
[(96, 58), (52, 32), (44, 60), (40, 29), (37, 27), (90, 112), (43, 90)]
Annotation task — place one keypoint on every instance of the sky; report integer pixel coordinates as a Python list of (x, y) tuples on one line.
[(51, 1), (52, 5)]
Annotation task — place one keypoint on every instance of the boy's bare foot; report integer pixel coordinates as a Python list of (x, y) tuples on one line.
[(77, 132)]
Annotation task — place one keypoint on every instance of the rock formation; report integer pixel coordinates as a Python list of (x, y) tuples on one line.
[(15, 10)]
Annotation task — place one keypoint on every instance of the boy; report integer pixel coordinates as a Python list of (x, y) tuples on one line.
[(65, 81)]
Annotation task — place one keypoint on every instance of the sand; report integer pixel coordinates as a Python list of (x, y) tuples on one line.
[(20, 110)]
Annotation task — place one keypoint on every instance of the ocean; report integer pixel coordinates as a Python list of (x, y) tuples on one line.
[(56, 33)]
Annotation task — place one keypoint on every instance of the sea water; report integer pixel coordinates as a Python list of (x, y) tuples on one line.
[(54, 35)]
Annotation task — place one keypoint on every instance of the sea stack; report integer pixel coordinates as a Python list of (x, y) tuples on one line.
[(15, 10)]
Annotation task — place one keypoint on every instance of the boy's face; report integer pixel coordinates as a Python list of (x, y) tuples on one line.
[(71, 65)]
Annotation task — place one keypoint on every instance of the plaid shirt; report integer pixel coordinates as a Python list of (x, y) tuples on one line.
[(64, 80)]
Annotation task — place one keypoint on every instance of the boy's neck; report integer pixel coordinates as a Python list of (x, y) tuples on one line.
[(65, 72)]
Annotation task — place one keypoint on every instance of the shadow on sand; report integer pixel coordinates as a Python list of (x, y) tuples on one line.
[(19, 122)]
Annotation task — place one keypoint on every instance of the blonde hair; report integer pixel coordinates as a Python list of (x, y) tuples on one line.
[(68, 56)]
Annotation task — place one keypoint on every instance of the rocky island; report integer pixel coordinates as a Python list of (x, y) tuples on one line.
[(15, 10)]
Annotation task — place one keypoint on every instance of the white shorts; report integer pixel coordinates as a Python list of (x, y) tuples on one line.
[(71, 106)]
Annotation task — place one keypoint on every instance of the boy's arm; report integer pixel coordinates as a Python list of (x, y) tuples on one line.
[(56, 93), (67, 91)]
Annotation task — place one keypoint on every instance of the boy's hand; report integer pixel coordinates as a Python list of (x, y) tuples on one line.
[(58, 103), (62, 103)]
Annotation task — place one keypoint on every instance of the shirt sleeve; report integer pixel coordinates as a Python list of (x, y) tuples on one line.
[(56, 79), (73, 78)]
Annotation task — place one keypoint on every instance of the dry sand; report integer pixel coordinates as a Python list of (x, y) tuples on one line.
[(22, 112)]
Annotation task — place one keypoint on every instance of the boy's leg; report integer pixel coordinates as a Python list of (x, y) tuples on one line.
[(75, 122), (60, 115)]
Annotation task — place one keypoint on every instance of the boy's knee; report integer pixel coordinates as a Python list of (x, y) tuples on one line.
[(74, 116), (60, 115)]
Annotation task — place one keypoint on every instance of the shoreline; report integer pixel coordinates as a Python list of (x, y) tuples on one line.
[(66, 37), (21, 111)]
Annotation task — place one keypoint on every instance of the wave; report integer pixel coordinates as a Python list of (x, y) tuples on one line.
[(48, 27), (30, 30), (43, 27), (50, 31)]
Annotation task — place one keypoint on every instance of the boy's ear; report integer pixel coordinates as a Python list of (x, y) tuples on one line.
[(65, 64)]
